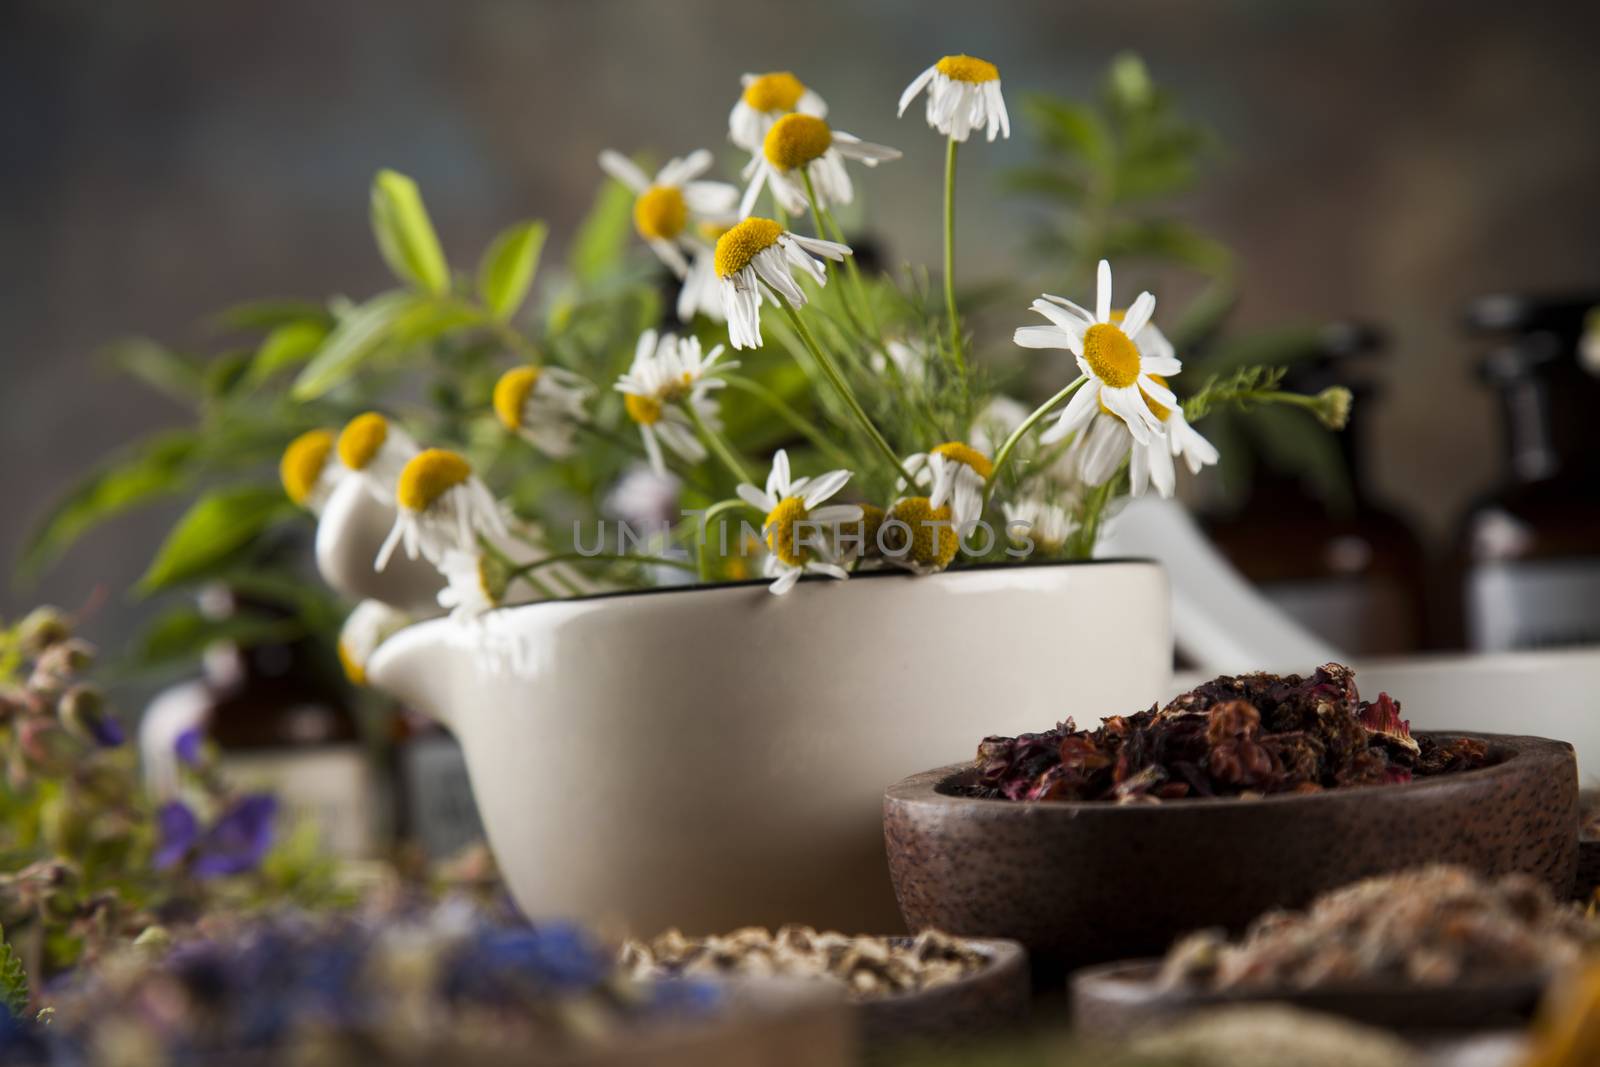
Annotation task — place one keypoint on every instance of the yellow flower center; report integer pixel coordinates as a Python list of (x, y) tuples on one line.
[(783, 533), (354, 669), (957, 452), (1111, 354), (933, 539), (1160, 411), (303, 462), (361, 439), (864, 534), (778, 91), (645, 410), (511, 393), (796, 140), (430, 475), (660, 213), (742, 243), (968, 69)]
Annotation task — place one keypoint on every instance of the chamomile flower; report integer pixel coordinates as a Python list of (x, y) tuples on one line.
[(1108, 441), (367, 627), (375, 450), (544, 405), (1035, 523), (1117, 370), (668, 374), (663, 208), (475, 584), (963, 95), (700, 294), (804, 145), (798, 532), (766, 99), (760, 252), (953, 473), (440, 505), (645, 499), (307, 470), (919, 535)]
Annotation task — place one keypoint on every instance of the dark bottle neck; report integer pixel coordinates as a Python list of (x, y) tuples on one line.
[(1530, 446)]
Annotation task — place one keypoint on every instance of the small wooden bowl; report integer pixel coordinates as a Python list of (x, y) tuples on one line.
[(1122, 998), (993, 997), (1086, 883)]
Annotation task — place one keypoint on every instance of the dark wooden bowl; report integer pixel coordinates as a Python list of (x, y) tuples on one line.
[(1116, 999), (995, 997), (1085, 883)]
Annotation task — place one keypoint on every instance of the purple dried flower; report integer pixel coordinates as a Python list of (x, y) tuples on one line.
[(235, 843), (178, 829), (240, 838), (188, 745)]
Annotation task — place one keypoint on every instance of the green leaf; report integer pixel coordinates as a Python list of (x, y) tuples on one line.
[(214, 527), (153, 468), (13, 980), (604, 234), (159, 367), (1070, 127), (405, 233), (227, 371), (288, 345), (358, 333), (266, 315), (427, 320), (508, 267), (184, 632)]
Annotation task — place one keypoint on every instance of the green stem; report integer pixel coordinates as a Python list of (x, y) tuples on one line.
[(788, 414), (1003, 457), (836, 233), (950, 253), (719, 447), (841, 386), (819, 223), (599, 557)]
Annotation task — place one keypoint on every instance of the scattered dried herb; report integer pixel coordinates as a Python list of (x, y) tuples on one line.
[(868, 967), (1430, 926), (1233, 736)]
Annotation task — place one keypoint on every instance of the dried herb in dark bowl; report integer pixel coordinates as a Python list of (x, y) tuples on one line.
[(1245, 735)]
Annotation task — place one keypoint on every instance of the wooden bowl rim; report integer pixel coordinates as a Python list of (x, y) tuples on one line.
[(1520, 754)]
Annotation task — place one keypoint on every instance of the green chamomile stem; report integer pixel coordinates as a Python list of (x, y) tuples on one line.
[(819, 224), (950, 252), (805, 427), (702, 533), (842, 387), (511, 567), (1003, 457), (719, 447), (599, 557), (836, 233)]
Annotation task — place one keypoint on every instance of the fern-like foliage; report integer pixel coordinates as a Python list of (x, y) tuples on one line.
[(1239, 389), (13, 979)]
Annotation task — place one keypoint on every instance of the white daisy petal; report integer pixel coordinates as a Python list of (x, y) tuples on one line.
[(624, 170)]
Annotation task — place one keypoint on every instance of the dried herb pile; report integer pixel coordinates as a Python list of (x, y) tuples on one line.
[(867, 966), (1430, 926), (1233, 736)]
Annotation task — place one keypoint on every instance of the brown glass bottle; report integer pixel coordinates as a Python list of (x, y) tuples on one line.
[(1346, 567), (1529, 549), (436, 813), (280, 723)]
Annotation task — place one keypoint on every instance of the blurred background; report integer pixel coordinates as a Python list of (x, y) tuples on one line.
[(1388, 162)]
